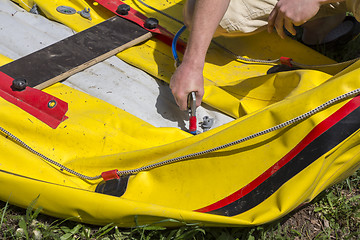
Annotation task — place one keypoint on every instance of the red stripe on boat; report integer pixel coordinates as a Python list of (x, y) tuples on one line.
[(316, 132)]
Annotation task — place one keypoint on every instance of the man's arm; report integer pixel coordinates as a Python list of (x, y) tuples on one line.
[(188, 77), (288, 13)]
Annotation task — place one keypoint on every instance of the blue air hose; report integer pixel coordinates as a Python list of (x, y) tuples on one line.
[(173, 45)]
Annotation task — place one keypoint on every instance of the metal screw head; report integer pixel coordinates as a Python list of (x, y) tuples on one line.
[(151, 23), (19, 84), (123, 9), (52, 104)]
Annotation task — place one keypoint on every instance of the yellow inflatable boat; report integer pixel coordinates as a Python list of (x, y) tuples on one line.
[(279, 139)]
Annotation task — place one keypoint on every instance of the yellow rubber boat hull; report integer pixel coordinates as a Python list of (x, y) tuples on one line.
[(255, 181)]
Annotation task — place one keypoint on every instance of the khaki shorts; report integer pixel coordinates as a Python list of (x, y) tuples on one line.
[(248, 16)]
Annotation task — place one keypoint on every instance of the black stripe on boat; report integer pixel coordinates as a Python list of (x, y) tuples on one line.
[(324, 137)]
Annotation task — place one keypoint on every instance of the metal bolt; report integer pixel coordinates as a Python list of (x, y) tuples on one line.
[(85, 13), (123, 9), (151, 23), (19, 84), (207, 123)]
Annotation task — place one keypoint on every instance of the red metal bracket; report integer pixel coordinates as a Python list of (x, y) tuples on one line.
[(41, 105), (161, 33)]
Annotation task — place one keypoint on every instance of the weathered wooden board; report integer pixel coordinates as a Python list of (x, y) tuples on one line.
[(75, 53)]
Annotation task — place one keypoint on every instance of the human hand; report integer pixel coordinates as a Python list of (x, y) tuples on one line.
[(288, 13), (186, 79)]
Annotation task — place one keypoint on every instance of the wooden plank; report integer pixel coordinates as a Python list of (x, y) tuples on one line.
[(76, 53)]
